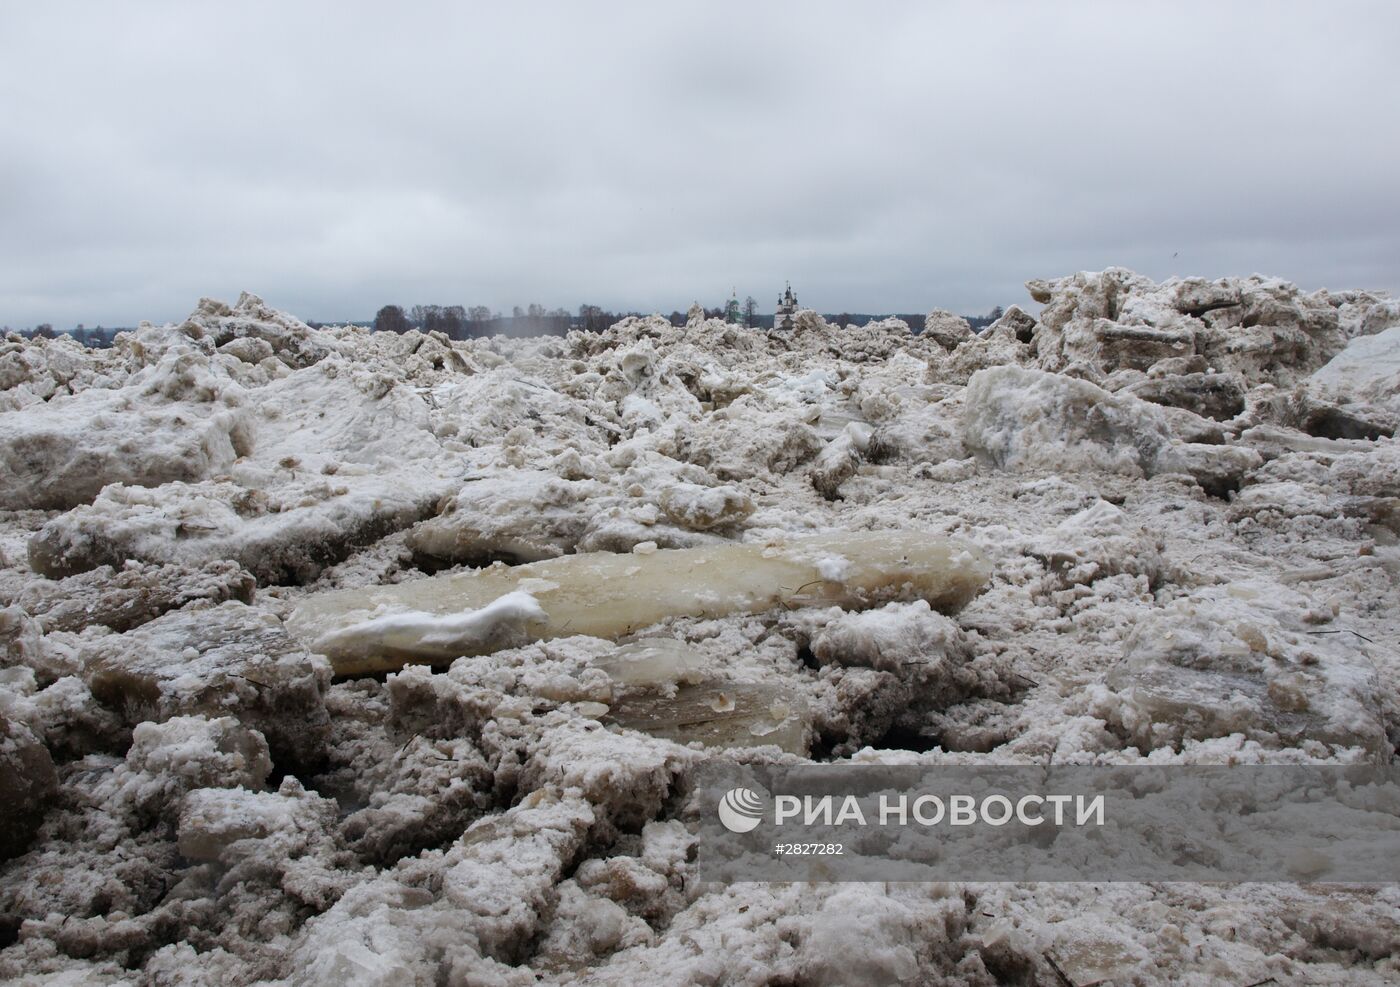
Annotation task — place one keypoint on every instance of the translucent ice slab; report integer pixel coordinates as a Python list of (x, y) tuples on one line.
[(610, 595)]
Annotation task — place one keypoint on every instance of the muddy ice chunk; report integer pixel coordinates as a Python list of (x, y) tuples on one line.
[(1218, 396), (608, 596), (584, 925), (530, 515), (190, 752), (520, 516), (891, 668), (492, 895), (1097, 543), (27, 782), (1262, 328), (1273, 499), (70, 722), (1018, 418), (233, 824), (420, 794), (720, 714), (21, 639), (890, 639), (508, 866), (127, 597), (626, 778), (946, 329), (60, 454), (701, 508), (287, 535), (727, 444), (1368, 369), (231, 659), (1239, 659), (1219, 470), (249, 322), (840, 459)]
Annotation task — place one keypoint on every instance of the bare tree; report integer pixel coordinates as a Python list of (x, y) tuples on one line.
[(750, 312), (391, 318)]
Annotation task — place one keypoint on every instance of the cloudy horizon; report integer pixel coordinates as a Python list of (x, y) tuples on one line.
[(883, 158)]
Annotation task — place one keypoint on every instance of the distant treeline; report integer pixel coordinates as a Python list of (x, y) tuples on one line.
[(460, 322), (97, 338)]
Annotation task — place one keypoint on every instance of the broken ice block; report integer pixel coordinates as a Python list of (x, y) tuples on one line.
[(231, 659), (720, 714), (1239, 659), (609, 595), (27, 783), (655, 663)]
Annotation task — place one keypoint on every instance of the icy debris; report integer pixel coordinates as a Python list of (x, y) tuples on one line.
[(60, 454), (1218, 396), (124, 598), (336, 456), (655, 663), (888, 674), (196, 752), (895, 638), (39, 369), (231, 659), (689, 437), (421, 794), (1262, 328), (1364, 313), (250, 321), (523, 516), (230, 825), (21, 639), (1271, 499), (627, 777), (727, 444), (1242, 659), (606, 595), (1368, 370), (946, 329), (27, 783), (280, 536), (1272, 441), (705, 508), (584, 926), (533, 514), (492, 893), (1018, 418), (840, 459)]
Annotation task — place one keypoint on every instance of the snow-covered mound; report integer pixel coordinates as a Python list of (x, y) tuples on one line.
[(332, 656)]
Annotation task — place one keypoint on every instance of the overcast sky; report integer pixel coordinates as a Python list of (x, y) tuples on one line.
[(884, 157)]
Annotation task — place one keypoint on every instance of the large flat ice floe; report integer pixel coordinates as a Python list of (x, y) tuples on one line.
[(333, 656), (610, 595)]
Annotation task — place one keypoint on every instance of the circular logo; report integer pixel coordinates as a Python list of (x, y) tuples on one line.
[(740, 810)]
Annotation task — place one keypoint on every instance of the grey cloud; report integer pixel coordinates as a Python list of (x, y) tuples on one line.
[(883, 157)]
